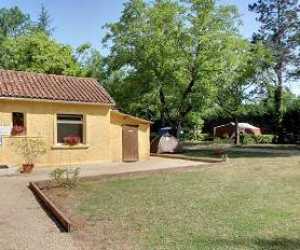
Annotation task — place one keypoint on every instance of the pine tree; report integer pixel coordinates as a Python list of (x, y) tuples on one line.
[(279, 30), (44, 21)]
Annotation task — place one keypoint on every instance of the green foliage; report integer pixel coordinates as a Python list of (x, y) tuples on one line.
[(166, 56), (279, 31), (256, 139), (248, 139), (13, 22), (68, 178), (91, 61), (44, 21), (291, 122), (238, 86), (260, 114), (37, 52), (224, 140), (27, 45)]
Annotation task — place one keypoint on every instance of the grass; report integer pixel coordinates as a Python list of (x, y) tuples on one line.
[(244, 151), (246, 203)]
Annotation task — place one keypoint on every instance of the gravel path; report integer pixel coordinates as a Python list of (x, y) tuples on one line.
[(24, 225)]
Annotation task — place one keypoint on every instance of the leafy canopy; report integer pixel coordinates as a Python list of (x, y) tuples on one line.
[(27, 45), (37, 52), (13, 22), (166, 56)]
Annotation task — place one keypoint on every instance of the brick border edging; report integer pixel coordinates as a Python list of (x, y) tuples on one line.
[(184, 157), (67, 224)]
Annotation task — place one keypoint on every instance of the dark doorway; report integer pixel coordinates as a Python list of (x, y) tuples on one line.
[(130, 143)]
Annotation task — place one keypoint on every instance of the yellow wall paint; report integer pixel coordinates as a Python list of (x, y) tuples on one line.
[(117, 121), (103, 138)]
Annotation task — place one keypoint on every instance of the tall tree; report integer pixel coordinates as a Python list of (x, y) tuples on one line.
[(240, 85), (13, 22), (44, 21), (279, 30), (91, 62), (166, 55), (37, 52)]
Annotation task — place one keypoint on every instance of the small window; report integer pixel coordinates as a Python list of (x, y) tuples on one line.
[(69, 125), (18, 122), (18, 119)]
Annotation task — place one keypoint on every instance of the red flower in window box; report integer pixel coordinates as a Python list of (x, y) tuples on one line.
[(18, 130), (71, 140)]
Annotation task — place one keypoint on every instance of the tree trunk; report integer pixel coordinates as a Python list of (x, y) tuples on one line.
[(237, 132), (181, 117), (278, 106), (178, 129), (162, 108)]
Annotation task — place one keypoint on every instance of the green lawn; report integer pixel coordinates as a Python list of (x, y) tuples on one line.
[(246, 203)]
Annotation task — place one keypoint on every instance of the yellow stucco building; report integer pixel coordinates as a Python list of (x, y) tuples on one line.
[(52, 108)]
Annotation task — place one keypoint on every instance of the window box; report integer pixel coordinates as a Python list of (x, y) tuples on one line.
[(67, 147)]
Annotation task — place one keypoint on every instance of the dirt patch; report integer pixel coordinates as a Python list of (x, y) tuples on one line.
[(66, 201)]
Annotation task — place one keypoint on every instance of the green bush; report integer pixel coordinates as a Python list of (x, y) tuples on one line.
[(248, 139), (264, 139), (224, 140), (199, 137), (66, 177), (256, 139)]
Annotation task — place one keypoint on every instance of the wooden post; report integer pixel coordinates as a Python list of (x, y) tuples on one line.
[(237, 132)]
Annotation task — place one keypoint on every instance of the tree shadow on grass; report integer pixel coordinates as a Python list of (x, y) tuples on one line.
[(255, 243), (238, 154)]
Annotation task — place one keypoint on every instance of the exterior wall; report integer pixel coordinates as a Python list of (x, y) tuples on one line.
[(116, 141), (40, 121), (116, 137)]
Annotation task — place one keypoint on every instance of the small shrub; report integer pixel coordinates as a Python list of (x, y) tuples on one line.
[(66, 177), (264, 139), (256, 139), (198, 137), (248, 139), (225, 140)]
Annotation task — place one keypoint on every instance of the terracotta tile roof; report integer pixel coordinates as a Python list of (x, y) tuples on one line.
[(18, 84)]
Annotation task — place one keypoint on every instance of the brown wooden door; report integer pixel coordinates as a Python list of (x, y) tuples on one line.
[(130, 143)]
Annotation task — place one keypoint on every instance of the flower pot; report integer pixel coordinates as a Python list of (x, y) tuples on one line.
[(71, 140), (18, 130), (27, 168)]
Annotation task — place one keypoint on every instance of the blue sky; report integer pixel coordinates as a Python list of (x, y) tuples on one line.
[(80, 21)]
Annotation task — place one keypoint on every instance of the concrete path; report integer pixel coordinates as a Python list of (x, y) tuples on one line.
[(155, 163), (24, 225)]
